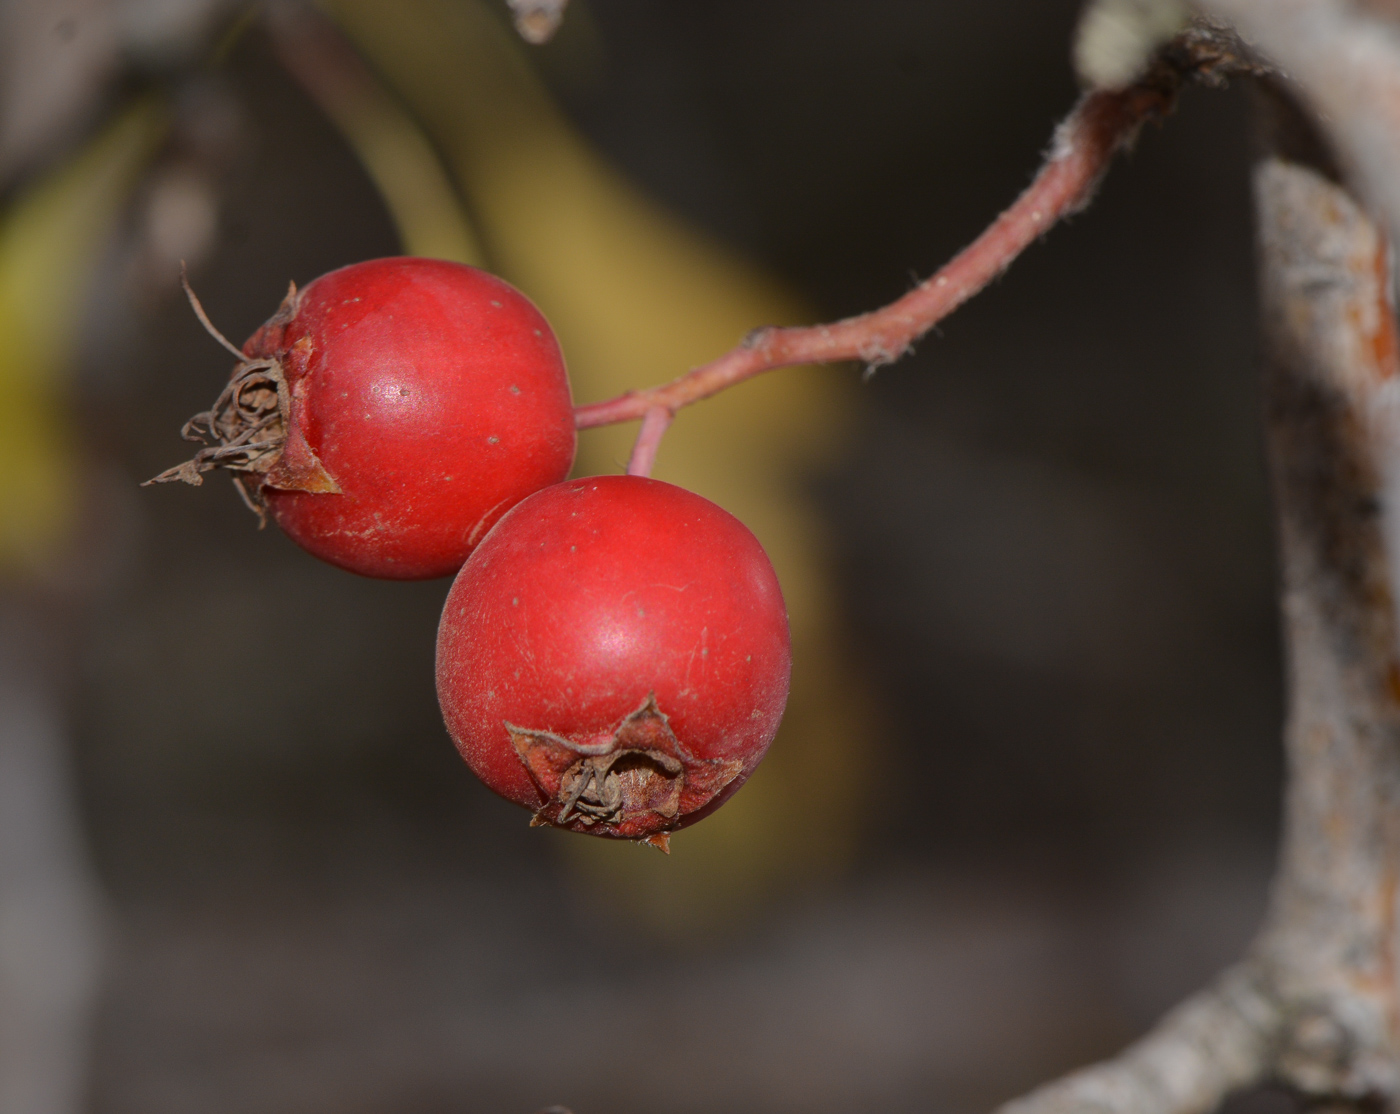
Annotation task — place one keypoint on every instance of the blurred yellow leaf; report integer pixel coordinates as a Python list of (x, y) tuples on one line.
[(393, 149), (50, 238)]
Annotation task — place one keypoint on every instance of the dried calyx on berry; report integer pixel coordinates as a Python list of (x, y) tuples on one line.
[(246, 431), (633, 783), (389, 413)]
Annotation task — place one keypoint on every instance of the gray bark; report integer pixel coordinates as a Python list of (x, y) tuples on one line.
[(1216, 1042), (1316, 1002), (1333, 397)]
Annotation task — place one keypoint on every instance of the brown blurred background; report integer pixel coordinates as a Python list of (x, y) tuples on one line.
[(1026, 795)]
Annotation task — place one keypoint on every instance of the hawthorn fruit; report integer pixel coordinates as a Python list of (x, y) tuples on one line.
[(615, 657), (390, 412)]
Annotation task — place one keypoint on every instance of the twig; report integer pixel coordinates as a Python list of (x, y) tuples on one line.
[(1215, 1042), (1083, 146)]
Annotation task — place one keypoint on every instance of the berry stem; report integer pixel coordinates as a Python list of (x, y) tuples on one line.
[(1080, 152), (654, 425)]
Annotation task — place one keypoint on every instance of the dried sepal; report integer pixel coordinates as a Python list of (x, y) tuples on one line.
[(249, 431), (634, 782)]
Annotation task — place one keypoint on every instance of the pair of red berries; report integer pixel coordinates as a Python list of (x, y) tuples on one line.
[(613, 653)]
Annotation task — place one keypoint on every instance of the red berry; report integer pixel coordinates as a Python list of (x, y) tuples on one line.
[(391, 412), (615, 656)]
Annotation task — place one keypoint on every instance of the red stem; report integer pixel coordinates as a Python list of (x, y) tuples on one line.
[(1082, 148), (654, 426)]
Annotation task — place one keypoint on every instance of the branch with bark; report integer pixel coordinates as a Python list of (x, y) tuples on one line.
[(1217, 1041), (1315, 1003)]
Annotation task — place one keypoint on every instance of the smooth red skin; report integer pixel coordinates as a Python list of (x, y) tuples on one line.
[(434, 394), (591, 594)]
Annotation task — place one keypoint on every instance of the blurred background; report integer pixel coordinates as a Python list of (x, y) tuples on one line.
[(1025, 796)]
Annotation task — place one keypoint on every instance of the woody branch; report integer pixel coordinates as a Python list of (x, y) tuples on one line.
[(1315, 1003)]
